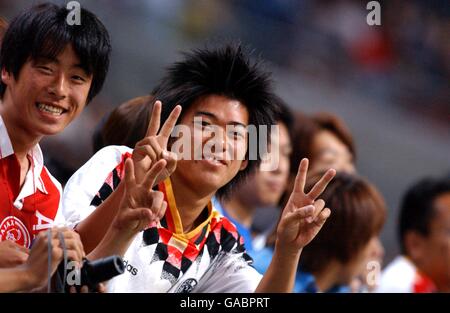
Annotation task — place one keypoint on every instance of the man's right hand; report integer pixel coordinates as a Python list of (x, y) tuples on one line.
[(153, 147), (12, 254)]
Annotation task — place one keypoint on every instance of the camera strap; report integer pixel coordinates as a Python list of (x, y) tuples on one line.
[(59, 283)]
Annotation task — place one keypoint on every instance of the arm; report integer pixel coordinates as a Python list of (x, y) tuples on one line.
[(139, 207), (301, 220), (146, 153), (93, 228)]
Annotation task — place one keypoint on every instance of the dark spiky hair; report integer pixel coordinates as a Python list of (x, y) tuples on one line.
[(226, 71)]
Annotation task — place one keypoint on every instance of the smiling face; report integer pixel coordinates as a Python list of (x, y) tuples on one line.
[(211, 171), (47, 94)]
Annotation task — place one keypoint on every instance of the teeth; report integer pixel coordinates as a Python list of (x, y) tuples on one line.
[(49, 109)]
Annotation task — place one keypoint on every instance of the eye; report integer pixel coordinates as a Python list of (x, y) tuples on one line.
[(78, 78), (202, 123), (45, 69), (237, 134)]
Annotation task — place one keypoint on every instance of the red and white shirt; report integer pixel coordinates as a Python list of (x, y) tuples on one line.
[(210, 258), (34, 207), (402, 276)]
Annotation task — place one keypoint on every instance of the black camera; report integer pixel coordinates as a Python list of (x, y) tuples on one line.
[(91, 273)]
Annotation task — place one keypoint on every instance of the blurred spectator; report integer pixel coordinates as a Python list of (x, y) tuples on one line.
[(424, 229), (125, 125), (326, 141), (342, 248), (3, 25)]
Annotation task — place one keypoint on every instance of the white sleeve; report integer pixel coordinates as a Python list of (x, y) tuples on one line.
[(232, 274), (86, 182)]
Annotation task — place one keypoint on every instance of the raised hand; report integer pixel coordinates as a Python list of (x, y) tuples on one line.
[(140, 205), (303, 216), (153, 147)]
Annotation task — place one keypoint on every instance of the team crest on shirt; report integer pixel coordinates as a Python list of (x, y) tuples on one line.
[(187, 286), (13, 229)]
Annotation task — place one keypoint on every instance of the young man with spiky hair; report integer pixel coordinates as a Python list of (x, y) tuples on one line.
[(49, 71), (191, 247)]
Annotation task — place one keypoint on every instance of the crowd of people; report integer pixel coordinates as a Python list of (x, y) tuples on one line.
[(194, 224)]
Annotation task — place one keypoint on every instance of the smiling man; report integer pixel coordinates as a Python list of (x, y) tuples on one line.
[(49, 72), (192, 247)]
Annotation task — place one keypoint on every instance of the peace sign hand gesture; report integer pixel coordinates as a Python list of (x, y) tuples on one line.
[(303, 216), (140, 205), (153, 147)]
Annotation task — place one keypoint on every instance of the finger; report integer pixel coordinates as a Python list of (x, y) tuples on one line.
[(162, 211), (157, 201), (320, 186), (300, 179), (323, 216), (21, 249), (75, 245), (74, 255), (153, 173), (156, 147), (318, 207), (84, 289), (142, 216), (146, 150), (172, 159), (101, 288), (72, 289), (129, 173), (155, 117), (169, 124), (299, 213)]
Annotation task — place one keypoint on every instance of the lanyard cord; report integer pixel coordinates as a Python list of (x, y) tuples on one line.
[(59, 287)]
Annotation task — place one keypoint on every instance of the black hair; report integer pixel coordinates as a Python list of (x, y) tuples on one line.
[(43, 31), (225, 71), (417, 207)]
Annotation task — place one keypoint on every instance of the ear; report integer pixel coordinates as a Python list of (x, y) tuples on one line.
[(243, 165), (6, 76), (415, 245)]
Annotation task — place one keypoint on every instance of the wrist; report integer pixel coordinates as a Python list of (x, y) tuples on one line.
[(287, 250), (26, 279)]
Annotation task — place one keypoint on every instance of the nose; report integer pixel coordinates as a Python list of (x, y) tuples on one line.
[(58, 88), (216, 139)]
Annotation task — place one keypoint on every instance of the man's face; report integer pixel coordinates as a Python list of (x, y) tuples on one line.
[(209, 167), (265, 188), (436, 246), (47, 94)]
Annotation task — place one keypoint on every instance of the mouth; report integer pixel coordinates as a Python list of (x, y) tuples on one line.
[(214, 160), (50, 109)]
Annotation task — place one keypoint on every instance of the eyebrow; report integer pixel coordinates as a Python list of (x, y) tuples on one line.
[(214, 117)]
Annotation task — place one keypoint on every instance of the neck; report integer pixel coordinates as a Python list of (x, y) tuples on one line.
[(190, 202), (21, 140), (240, 210), (328, 277)]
